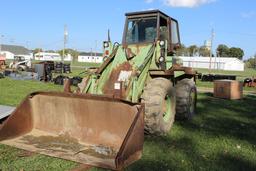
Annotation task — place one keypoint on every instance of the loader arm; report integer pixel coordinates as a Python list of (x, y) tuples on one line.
[(121, 76)]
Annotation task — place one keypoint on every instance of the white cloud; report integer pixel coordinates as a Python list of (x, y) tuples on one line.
[(186, 3), (148, 9), (249, 14), (149, 1)]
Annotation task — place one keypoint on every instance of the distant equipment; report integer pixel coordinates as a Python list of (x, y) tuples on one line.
[(212, 77), (2, 62), (62, 68), (20, 63), (66, 68), (44, 70), (59, 80), (58, 67), (250, 82)]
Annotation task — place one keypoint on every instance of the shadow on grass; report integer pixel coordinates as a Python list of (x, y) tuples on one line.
[(231, 162), (234, 120), (168, 154)]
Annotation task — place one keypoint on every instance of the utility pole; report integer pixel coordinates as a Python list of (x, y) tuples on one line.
[(95, 47), (212, 37), (109, 36), (27, 44), (64, 42)]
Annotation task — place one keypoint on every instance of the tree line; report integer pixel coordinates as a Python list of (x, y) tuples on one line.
[(251, 62), (221, 51), (193, 50)]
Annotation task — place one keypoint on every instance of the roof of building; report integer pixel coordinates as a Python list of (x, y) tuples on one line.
[(90, 54), (15, 49), (207, 59)]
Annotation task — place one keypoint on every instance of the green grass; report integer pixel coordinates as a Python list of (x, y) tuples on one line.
[(13, 91), (220, 137), (210, 142)]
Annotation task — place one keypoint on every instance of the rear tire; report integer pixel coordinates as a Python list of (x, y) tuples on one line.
[(186, 96), (20, 68), (159, 99)]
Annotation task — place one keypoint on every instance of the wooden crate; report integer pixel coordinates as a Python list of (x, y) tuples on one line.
[(228, 89)]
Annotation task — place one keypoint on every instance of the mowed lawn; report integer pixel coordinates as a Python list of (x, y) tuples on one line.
[(222, 136)]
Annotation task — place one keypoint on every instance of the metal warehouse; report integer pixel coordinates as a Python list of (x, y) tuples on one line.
[(227, 63)]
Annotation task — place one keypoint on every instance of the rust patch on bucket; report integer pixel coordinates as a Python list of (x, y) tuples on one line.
[(99, 151), (63, 141)]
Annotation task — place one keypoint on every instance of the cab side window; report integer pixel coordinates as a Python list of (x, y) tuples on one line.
[(174, 32), (163, 29)]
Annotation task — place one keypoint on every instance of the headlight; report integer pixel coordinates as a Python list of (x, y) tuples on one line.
[(105, 58), (161, 43), (161, 59), (106, 44)]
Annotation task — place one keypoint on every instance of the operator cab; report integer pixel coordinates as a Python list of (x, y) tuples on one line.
[(151, 26), (19, 58)]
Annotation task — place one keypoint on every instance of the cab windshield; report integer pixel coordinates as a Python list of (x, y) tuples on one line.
[(141, 30)]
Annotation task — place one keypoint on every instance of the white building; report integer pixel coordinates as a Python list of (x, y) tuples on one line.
[(9, 51), (90, 57), (68, 57), (227, 63), (47, 56)]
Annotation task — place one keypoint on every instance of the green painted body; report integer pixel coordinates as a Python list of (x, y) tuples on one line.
[(145, 59)]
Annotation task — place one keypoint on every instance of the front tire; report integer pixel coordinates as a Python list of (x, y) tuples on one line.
[(159, 99), (186, 96)]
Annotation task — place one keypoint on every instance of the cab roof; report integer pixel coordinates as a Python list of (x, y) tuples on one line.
[(145, 12)]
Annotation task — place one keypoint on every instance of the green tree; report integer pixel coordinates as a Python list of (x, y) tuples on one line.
[(182, 51), (192, 50), (204, 51), (236, 52), (37, 50), (72, 52), (251, 62), (61, 52), (50, 51), (223, 50)]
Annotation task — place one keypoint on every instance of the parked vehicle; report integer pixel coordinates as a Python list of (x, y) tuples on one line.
[(20, 63)]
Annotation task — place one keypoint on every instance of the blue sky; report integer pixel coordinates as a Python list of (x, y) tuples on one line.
[(40, 23)]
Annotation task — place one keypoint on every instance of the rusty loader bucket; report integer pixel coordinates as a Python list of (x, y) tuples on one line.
[(93, 130)]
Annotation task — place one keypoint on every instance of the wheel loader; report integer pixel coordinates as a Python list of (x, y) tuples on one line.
[(140, 87)]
